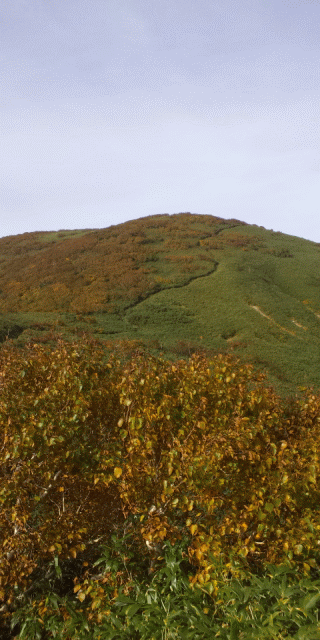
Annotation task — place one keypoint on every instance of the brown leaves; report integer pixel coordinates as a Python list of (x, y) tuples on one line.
[(202, 442)]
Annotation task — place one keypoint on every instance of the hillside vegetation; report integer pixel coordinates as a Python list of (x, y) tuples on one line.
[(174, 284), (154, 500), (159, 433)]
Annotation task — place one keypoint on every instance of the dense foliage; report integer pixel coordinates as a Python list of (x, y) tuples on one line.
[(103, 269), (175, 477)]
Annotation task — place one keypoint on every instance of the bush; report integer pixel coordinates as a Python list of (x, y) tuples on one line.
[(199, 454)]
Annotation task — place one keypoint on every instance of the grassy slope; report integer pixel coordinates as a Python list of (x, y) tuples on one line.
[(176, 283)]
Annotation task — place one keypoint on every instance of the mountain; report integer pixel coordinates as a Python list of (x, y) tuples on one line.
[(171, 283)]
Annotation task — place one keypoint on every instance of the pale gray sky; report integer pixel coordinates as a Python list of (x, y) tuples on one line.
[(113, 110)]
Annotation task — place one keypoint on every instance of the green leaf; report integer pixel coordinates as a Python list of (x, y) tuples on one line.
[(309, 601), (132, 610)]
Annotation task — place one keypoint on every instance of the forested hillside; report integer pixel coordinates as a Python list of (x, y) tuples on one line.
[(176, 285)]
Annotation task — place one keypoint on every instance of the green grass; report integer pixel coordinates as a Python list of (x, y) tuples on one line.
[(273, 605)]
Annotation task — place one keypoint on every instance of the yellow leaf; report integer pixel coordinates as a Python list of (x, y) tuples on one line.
[(193, 529), (61, 489), (77, 588), (81, 597), (95, 603), (117, 472)]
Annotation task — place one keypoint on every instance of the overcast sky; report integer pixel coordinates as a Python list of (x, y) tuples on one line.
[(113, 110)]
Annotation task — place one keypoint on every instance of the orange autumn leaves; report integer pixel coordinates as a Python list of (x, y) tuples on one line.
[(197, 449)]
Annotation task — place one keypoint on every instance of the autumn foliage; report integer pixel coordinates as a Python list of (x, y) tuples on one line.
[(104, 270), (195, 449)]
